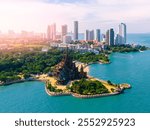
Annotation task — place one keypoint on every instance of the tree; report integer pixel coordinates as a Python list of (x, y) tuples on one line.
[(109, 82), (89, 87)]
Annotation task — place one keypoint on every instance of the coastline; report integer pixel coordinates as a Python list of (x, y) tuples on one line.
[(87, 68), (117, 91), (45, 78), (54, 94), (18, 81)]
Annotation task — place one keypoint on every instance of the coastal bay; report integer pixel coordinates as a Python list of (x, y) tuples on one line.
[(132, 68)]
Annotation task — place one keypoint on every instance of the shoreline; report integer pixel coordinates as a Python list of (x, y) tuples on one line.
[(45, 78), (86, 67), (18, 81), (117, 91), (56, 94)]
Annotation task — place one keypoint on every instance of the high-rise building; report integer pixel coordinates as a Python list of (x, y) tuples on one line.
[(111, 37), (116, 39), (51, 32), (92, 35), (48, 33), (89, 35), (122, 35), (76, 30), (64, 30), (98, 35), (107, 37)]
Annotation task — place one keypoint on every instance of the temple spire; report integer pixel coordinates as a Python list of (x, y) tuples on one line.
[(66, 70)]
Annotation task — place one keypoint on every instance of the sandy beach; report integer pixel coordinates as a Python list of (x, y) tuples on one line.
[(52, 80)]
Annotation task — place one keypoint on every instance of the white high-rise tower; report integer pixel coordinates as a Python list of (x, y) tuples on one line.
[(122, 35), (51, 32)]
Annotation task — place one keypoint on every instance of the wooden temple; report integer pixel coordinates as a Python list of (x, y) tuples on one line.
[(66, 70)]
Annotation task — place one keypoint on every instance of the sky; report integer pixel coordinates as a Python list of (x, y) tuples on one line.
[(35, 15)]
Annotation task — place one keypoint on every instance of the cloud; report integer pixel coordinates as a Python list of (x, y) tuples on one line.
[(66, 1), (91, 14), (104, 13)]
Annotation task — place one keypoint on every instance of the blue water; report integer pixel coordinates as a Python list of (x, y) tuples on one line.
[(143, 39), (133, 68)]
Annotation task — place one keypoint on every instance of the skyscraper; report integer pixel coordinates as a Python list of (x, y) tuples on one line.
[(122, 35), (89, 36), (51, 32), (117, 39), (111, 36), (64, 30), (76, 30), (92, 35), (48, 33), (98, 35), (107, 37)]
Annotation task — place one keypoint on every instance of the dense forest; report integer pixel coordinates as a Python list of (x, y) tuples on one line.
[(126, 48), (27, 63), (91, 57), (17, 65)]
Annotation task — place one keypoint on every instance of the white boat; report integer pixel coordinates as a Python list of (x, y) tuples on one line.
[(141, 51)]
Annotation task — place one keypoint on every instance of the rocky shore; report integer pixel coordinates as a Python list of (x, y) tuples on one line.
[(17, 81), (95, 96), (122, 88), (79, 95)]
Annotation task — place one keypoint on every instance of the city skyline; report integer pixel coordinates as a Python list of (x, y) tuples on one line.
[(35, 15), (110, 36)]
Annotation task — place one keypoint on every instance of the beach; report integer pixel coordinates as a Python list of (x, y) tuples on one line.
[(52, 80)]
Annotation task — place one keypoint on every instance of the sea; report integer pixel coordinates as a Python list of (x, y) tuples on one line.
[(132, 68)]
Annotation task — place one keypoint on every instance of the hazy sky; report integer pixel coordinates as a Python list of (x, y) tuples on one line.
[(35, 15)]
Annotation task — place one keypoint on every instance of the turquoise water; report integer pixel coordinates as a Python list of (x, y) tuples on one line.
[(133, 68), (139, 39)]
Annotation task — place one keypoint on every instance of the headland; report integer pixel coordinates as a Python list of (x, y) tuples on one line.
[(63, 83)]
